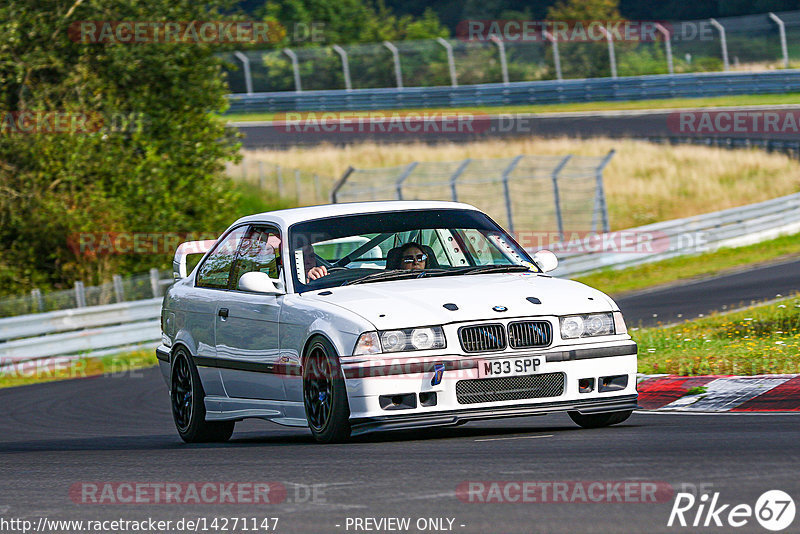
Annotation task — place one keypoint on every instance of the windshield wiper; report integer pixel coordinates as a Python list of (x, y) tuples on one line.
[(482, 269), (400, 274), (385, 275)]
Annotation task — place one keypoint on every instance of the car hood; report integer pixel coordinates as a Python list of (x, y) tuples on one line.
[(420, 302)]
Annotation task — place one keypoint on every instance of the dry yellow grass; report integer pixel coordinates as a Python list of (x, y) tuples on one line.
[(645, 182)]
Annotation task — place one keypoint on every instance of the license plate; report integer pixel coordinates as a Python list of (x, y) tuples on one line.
[(512, 367)]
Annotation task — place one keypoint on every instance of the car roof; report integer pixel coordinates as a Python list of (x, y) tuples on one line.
[(287, 217)]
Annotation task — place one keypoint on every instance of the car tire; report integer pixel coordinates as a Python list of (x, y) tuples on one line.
[(325, 394), (188, 404), (598, 420)]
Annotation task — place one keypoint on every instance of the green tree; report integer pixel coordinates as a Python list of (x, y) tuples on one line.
[(584, 59), (164, 172)]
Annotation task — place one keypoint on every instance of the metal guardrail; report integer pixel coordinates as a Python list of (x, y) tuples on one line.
[(701, 233), (520, 93), (103, 329), (80, 330)]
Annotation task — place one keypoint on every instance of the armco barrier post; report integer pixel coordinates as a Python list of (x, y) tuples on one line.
[(507, 193), (36, 300), (600, 194), (501, 49), (668, 46), (557, 195), (723, 41), (338, 185), (345, 66), (119, 292), (398, 73), (248, 78), (402, 178), (454, 177), (451, 62), (80, 295), (155, 286), (612, 56), (782, 33), (556, 56), (295, 68)]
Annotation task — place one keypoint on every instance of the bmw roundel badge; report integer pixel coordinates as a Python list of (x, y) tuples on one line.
[(500, 308)]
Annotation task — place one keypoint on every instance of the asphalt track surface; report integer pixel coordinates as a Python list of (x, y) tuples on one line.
[(119, 429), (432, 128), (690, 300)]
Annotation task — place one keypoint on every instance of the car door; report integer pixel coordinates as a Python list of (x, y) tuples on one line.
[(247, 324), (202, 302)]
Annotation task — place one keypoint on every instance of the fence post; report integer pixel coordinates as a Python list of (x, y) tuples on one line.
[(398, 74), (295, 67), (248, 78), (451, 62), (119, 291), (668, 46), (507, 193), (501, 48), (557, 195), (402, 178), (782, 33), (338, 185), (297, 184), (317, 192), (455, 176), (345, 66), (724, 42), (262, 180), (80, 295), (280, 181), (600, 194), (38, 301), (155, 282), (612, 57), (556, 56)]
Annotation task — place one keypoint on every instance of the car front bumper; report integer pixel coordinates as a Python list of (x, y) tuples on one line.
[(390, 394)]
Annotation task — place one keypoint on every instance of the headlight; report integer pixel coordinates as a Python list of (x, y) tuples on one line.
[(368, 343), (594, 324), (431, 337)]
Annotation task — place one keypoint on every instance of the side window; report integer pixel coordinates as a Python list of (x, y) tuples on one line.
[(260, 251), (216, 269)]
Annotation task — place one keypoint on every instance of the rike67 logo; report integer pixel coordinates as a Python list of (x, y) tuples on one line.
[(774, 510)]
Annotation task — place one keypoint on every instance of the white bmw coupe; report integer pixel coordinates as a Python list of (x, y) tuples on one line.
[(349, 318)]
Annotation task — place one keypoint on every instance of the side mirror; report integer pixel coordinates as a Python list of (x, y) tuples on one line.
[(546, 260), (185, 249), (258, 282)]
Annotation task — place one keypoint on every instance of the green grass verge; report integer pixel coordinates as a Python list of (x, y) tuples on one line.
[(688, 267), (757, 340), (666, 103), (24, 374)]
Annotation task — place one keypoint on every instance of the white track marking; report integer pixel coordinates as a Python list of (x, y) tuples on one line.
[(723, 394), (516, 437)]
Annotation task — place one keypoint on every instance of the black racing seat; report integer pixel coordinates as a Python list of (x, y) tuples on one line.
[(394, 259)]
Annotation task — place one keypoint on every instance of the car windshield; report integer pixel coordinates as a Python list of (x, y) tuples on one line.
[(376, 247)]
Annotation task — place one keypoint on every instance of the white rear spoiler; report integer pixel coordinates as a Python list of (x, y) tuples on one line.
[(183, 250)]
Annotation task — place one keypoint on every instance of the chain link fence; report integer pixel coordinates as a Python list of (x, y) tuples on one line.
[(753, 42), (301, 187), (523, 193), (144, 286)]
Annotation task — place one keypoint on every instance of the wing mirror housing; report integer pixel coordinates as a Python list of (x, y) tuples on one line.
[(258, 282), (179, 270), (546, 260)]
